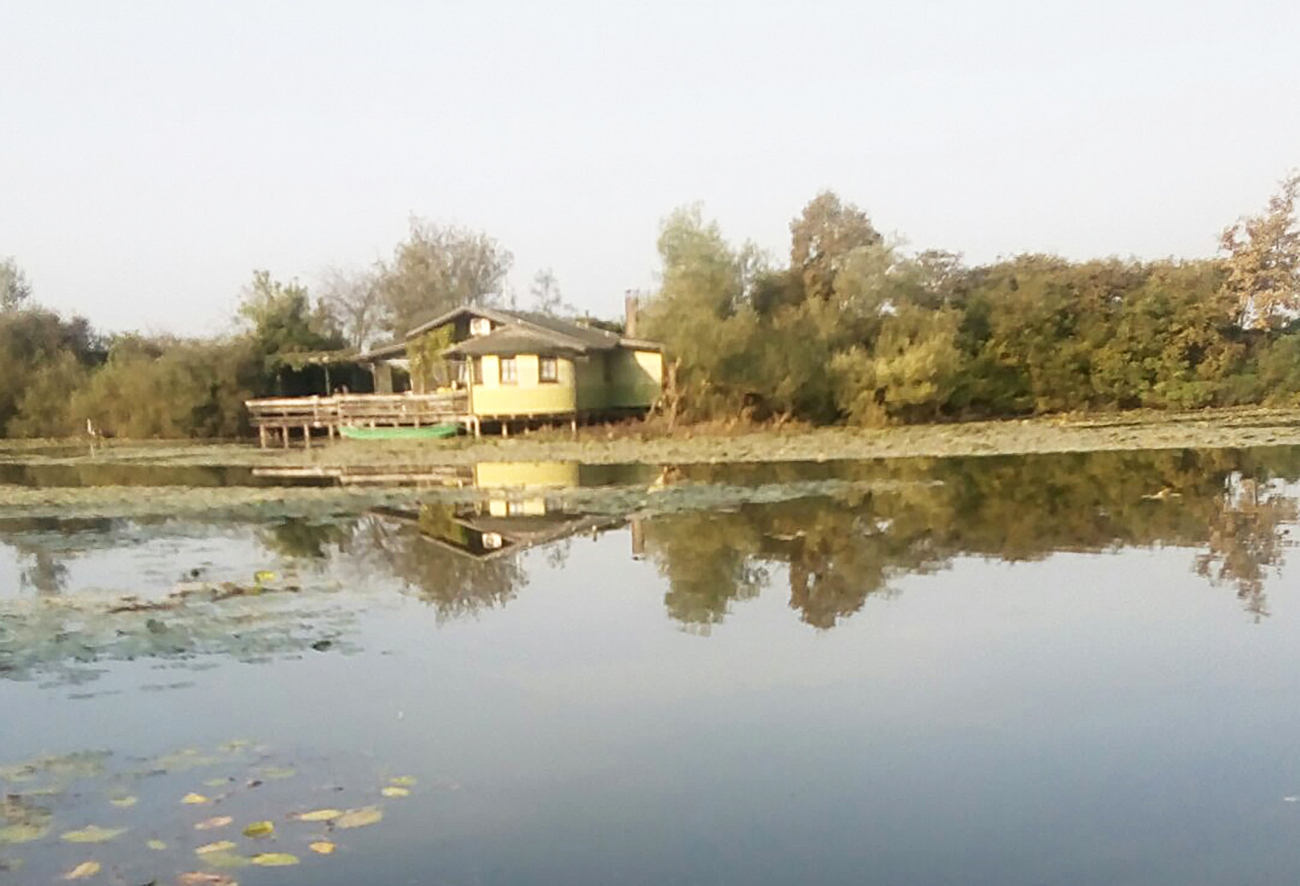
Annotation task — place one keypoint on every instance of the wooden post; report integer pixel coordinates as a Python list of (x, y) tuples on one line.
[(285, 430), (261, 435), (306, 436)]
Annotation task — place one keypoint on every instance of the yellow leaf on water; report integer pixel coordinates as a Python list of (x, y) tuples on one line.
[(124, 802), (316, 815), (404, 781), (219, 846), (218, 821), (216, 782), (274, 859), (194, 799), (360, 818), (395, 792), (259, 829), (263, 575), (278, 772), (322, 847), (93, 834), (157, 845), (82, 871)]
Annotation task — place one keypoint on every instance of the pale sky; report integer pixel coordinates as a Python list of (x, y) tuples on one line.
[(152, 154)]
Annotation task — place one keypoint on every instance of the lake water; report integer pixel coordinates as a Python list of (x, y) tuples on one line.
[(1077, 669)]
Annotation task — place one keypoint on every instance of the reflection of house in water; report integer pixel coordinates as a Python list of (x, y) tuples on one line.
[(485, 530), (487, 475), (517, 508)]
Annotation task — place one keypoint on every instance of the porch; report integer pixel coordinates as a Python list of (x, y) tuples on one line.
[(280, 416)]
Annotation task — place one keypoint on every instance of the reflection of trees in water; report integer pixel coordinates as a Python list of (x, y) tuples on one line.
[(1247, 538), (906, 517), (709, 560), (837, 552), (302, 539), (46, 573), (455, 585), (42, 558)]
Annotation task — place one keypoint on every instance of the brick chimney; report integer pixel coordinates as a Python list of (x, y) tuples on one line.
[(630, 308)]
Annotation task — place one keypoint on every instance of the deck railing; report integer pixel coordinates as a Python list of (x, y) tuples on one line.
[(282, 414)]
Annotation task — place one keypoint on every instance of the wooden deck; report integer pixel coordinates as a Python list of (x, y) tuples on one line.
[(279, 416)]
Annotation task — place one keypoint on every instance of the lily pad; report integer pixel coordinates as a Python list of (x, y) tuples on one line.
[(194, 799), (157, 845), (209, 824), (124, 802), (322, 847), (259, 830), (392, 791), (360, 818), (274, 859), (23, 832), (219, 846), (202, 878), (317, 815), (83, 871), (93, 834), (404, 781), (225, 859)]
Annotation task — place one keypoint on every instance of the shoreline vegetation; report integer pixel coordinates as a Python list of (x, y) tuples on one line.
[(851, 330), (653, 443)]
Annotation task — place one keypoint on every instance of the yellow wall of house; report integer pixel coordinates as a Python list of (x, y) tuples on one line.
[(619, 379), (531, 507), (488, 475), (528, 396)]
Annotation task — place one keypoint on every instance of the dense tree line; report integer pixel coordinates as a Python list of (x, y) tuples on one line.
[(856, 329), (852, 328)]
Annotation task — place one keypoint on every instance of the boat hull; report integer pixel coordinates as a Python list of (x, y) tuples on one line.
[(432, 432)]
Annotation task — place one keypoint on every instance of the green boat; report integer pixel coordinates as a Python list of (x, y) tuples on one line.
[(432, 432)]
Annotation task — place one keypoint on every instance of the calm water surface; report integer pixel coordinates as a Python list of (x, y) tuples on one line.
[(1057, 669)]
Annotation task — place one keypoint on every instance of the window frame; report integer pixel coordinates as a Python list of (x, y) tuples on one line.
[(476, 373), (513, 363), (554, 376)]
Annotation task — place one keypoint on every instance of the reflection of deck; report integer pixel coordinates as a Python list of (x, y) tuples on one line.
[(455, 476), (279, 415)]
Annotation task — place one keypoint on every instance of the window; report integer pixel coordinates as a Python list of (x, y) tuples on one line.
[(548, 369), (509, 371), (478, 370), (480, 326)]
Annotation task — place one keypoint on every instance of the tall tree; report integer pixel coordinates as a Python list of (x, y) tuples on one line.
[(823, 237), (14, 288), (355, 300), (440, 267), (283, 319), (1263, 261)]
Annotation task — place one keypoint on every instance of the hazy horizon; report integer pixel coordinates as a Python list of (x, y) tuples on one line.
[(154, 154)]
